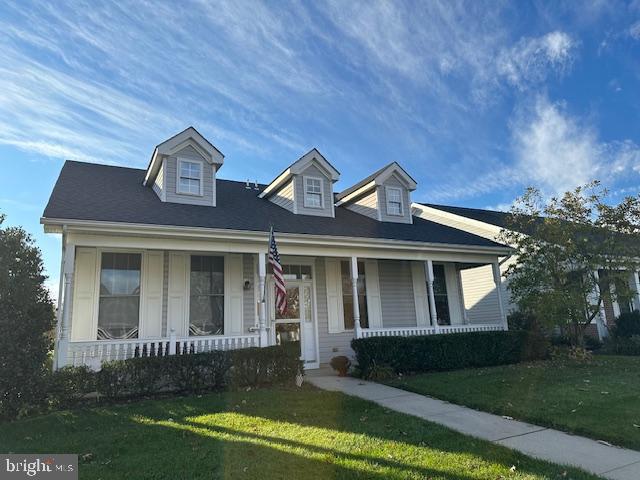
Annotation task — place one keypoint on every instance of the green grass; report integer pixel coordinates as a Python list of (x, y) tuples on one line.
[(267, 434), (598, 398)]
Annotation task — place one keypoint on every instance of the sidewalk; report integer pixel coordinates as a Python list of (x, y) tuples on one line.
[(544, 443)]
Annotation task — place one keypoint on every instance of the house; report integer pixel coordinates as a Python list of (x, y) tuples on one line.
[(481, 297), (172, 259)]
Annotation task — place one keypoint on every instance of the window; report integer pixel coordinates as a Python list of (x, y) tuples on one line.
[(394, 201), (206, 296), (189, 177), (119, 304), (440, 295), (347, 296), (312, 192)]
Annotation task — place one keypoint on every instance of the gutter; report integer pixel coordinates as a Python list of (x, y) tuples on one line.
[(119, 228)]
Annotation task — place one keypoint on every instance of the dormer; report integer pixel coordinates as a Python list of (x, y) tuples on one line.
[(183, 169), (384, 195), (305, 187)]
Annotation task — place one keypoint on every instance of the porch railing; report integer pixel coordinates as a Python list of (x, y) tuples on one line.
[(428, 330), (94, 353)]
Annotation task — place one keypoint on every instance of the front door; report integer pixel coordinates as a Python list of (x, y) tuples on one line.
[(297, 323)]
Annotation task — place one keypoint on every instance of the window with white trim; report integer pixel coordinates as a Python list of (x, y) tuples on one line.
[(119, 304), (189, 177), (394, 201), (206, 295), (312, 192)]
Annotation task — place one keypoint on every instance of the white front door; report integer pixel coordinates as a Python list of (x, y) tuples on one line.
[(297, 323)]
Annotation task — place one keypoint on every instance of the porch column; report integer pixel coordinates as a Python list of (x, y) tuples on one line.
[(357, 329), (497, 280), (62, 347), (432, 299), (262, 306), (634, 283), (465, 315), (601, 318)]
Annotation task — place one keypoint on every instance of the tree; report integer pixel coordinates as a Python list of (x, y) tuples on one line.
[(26, 320), (570, 251)]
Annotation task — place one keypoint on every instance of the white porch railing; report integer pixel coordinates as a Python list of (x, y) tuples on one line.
[(415, 331), (94, 353)]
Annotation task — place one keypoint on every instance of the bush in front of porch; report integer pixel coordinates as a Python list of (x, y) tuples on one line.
[(447, 351), (152, 376)]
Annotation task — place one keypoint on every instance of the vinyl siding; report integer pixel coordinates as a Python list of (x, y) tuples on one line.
[(249, 310), (396, 293), (366, 205), (158, 184), (208, 185), (327, 210), (480, 297), (332, 344), (489, 231), (406, 202), (284, 197)]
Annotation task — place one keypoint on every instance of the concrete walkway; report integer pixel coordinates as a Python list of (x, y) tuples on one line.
[(544, 443)]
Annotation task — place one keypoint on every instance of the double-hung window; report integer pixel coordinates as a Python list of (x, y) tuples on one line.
[(347, 296), (206, 296), (394, 201), (189, 177), (312, 192), (440, 295), (119, 304)]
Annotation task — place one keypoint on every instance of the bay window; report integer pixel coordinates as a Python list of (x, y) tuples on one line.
[(206, 296), (119, 304)]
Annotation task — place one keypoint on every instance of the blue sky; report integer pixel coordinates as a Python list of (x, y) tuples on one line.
[(477, 101)]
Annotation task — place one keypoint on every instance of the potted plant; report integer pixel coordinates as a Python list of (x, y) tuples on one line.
[(341, 365)]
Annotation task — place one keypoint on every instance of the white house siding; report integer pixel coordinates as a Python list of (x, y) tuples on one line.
[(393, 181), (158, 184), (208, 180), (327, 197), (366, 205), (249, 302), (396, 293), (480, 297), (284, 197), (330, 344)]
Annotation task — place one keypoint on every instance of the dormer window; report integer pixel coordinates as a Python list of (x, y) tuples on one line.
[(313, 192), (189, 177), (394, 201)]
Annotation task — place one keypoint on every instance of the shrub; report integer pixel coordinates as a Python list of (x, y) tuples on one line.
[(198, 372), (523, 321), (592, 343), (340, 364), (627, 325), (26, 320), (70, 385), (448, 352), (622, 345)]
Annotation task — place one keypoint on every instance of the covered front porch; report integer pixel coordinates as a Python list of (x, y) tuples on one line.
[(133, 296)]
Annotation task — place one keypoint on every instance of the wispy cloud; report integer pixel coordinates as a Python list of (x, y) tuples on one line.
[(531, 60)]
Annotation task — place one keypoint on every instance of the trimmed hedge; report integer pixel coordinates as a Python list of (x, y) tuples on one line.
[(447, 352), (149, 376)]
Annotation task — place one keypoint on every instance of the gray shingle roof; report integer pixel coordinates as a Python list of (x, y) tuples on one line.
[(86, 191)]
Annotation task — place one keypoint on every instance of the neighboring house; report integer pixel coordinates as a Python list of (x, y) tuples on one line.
[(172, 259), (480, 297)]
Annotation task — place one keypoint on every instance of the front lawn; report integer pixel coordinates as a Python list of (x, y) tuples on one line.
[(598, 398), (266, 434)]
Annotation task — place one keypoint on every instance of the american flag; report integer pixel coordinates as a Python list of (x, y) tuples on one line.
[(278, 277)]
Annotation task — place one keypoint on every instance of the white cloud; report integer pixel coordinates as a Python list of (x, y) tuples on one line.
[(557, 151), (531, 60), (634, 30)]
